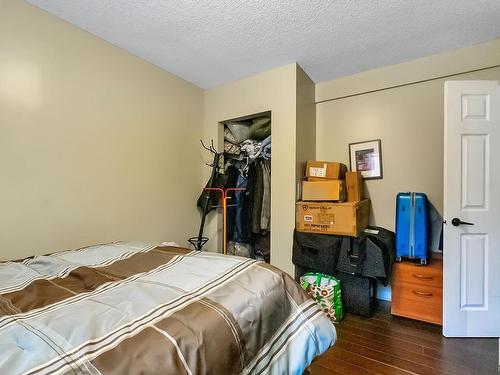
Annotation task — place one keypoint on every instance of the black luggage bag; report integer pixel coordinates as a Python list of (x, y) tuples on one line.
[(316, 252), (369, 255), (358, 293)]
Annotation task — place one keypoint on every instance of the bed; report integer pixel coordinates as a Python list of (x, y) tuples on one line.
[(133, 308)]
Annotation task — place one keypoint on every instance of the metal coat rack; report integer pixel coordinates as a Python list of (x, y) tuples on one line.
[(224, 198), (199, 241)]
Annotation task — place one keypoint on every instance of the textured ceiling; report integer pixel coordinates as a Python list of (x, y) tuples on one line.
[(213, 42)]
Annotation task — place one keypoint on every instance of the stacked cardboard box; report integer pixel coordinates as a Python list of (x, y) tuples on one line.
[(323, 208)]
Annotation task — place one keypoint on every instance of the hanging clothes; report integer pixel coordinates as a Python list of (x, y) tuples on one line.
[(249, 212), (249, 199), (251, 148), (243, 202), (242, 165), (239, 223), (265, 216), (266, 148), (258, 192)]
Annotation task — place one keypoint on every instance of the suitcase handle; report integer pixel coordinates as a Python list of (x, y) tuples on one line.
[(422, 277), (422, 294)]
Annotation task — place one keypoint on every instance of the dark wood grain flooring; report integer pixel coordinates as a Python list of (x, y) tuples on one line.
[(385, 344)]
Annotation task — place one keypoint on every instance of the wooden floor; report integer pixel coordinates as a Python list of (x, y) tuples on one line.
[(384, 344)]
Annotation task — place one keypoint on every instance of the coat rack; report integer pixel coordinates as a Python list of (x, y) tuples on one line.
[(224, 198), (199, 241)]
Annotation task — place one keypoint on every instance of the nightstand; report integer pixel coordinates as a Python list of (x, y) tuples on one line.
[(417, 291)]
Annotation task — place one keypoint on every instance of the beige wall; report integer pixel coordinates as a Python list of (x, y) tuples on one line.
[(96, 145), (408, 120), (306, 122), (275, 91), (456, 61)]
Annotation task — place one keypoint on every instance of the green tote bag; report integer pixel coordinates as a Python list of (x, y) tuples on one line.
[(325, 290)]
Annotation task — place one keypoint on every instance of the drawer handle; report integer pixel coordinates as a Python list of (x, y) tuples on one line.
[(422, 294), (423, 277)]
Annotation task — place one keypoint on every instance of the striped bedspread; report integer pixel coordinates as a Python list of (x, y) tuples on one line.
[(128, 308)]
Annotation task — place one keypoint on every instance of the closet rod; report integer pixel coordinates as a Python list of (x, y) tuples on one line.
[(407, 84)]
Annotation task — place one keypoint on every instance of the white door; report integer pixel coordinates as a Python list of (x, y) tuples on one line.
[(471, 294)]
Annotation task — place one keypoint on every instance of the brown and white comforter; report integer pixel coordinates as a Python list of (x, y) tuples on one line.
[(126, 308)]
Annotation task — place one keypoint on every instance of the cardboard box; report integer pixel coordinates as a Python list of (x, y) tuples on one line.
[(354, 182), (347, 218), (325, 190), (320, 170)]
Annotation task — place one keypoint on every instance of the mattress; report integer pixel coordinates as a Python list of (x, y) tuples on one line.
[(133, 308)]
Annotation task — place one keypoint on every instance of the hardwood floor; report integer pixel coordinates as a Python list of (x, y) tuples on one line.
[(385, 344)]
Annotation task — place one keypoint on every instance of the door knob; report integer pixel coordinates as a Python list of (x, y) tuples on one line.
[(456, 222)]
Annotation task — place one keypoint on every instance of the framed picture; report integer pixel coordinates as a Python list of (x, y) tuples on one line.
[(366, 157)]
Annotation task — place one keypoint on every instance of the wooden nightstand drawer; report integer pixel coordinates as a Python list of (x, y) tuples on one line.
[(414, 292), (417, 292), (417, 302), (410, 273)]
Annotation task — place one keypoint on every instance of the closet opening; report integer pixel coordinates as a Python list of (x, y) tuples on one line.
[(247, 166)]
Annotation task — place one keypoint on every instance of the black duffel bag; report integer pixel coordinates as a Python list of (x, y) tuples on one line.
[(316, 252), (369, 255)]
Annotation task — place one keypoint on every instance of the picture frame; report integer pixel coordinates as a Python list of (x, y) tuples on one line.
[(366, 157)]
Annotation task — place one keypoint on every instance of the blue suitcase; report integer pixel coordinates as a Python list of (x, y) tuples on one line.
[(412, 227)]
